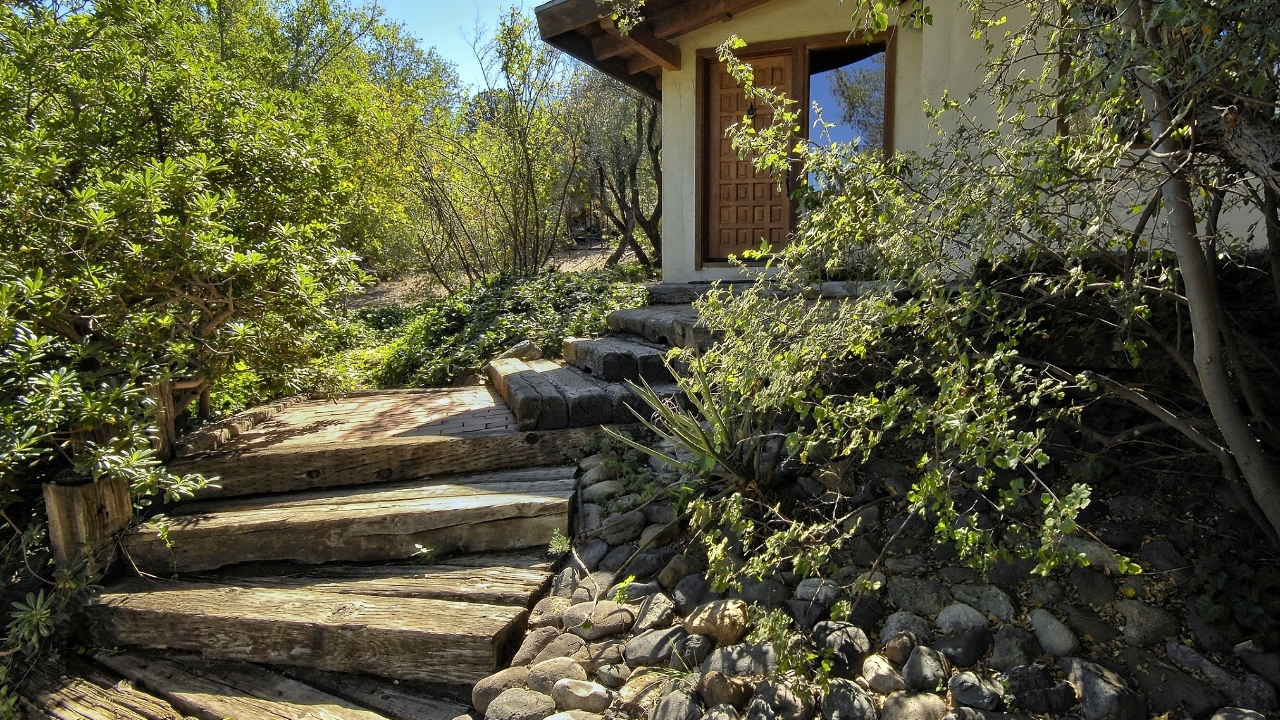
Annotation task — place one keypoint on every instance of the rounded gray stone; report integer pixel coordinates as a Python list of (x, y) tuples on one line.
[(1056, 638), (520, 704)]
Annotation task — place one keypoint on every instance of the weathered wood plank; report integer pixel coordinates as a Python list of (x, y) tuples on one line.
[(489, 585), (695, 14), (213, 691), (396, 637), (88, 694), (84, 519), (535, 401), (390, 525), (307, 467), (394, 701)]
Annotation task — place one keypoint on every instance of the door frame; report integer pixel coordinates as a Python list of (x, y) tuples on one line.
[(799, 48)]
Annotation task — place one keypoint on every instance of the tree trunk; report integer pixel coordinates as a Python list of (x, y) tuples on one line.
[(1271, 213), (1249, 141)]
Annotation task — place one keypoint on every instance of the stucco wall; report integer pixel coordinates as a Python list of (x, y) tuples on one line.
[(937, 57)]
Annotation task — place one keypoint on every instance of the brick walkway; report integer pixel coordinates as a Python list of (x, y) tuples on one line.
[(458, 412)]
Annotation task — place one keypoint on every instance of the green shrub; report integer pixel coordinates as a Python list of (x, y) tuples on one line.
[(450, 338)]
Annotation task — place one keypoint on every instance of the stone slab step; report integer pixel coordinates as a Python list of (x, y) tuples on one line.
[(663, 324), (356, 524), (616, 360), (396, 637), (82, 691), (213, 691)]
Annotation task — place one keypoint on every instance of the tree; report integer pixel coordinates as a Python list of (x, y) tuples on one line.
[(621, 158), (860, 92)]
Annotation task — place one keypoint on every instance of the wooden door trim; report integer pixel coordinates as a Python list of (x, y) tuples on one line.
[(799, 48)]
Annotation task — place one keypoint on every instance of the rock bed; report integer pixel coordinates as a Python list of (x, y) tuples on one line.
[(937, 641)]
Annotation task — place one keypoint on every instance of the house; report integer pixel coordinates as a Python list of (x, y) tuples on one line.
[(715, 205)]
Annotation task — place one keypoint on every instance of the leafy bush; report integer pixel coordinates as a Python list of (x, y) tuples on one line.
[(450, 338)]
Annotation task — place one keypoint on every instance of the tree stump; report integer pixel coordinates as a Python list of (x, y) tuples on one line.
[(83, 519)]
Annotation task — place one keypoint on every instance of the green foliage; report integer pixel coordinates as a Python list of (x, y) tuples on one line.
[(453, 337)]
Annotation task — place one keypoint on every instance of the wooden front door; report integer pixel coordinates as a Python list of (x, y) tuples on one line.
[(745, 206)]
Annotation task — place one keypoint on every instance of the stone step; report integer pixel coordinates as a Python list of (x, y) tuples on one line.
[(617, 360), (503, 511), (544, 392), (231, 690), (407, 638), (676, 325)]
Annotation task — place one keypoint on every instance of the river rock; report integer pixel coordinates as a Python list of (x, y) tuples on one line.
[(743, 660), (603, 491), (1103, 695), (1168, 688), (1013, 647), (543, 676), (590, 554), (690, 592), (1088, 625), (848, 645), (758, 709), (926, 669), (570, 715), (605, 652), (679, 705), (970, 690), (988, 599), (656, 612), (641, 694), (881, 675), (548, 611), (1044, 592), (679, 568), (622, 528), (1056, 638), (653, 648), (485, 691), (658, 535), (592, 621), (817, 590), (1098, 555), (1092, 586), (899, 647), (720, 712), (565, 583), (769, 593), (786, 704), (565, 645), (1164, 557), (846, 701), (1035, 690), (904, 705), (1146, 624), (533, 644), (613, 676), (1253, 692), (520, 704), (580, 695), (903, 621), (1266, 664), (617, 557), (690, 652), (966, 648), (1231, 713), (918, 595), (958, 618), (724, 620), (716, 688)]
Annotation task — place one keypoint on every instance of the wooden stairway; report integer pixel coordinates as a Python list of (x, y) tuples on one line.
[(303, 588)]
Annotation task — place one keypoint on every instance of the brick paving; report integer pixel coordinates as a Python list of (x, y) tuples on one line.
[(457, 412)]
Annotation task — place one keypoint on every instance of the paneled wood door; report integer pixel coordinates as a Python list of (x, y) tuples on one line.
[(744, 206)]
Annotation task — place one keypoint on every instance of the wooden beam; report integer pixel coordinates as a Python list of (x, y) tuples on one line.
[(575, 44), (84, 519), (640, 64), (642, 40), (566, 16), (695, 14), (608, 46)]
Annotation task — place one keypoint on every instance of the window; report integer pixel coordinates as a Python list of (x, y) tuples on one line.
[(849, 85)]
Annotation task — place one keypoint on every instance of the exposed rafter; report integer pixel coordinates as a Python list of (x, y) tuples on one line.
[(641, 39), (695, 14)]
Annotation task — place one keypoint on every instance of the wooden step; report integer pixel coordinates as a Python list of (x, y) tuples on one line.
[(85, 692), (213, 691), (355, 524), (395, 699), (395, 637), (676, 325), (500, 585), (587, 399), (536, 403), (615, 360), (288, 468)]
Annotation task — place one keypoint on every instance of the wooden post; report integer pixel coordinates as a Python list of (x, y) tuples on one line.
[(84, 518), (165, 417)]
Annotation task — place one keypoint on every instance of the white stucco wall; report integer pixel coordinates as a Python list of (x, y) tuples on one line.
[(938, 57)]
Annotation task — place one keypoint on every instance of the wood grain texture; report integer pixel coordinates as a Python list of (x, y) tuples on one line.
[(394, 701), (86, 693), (396, 637), (349, 526), (85, 518), (307, 467), (213, 691), (489, 585)]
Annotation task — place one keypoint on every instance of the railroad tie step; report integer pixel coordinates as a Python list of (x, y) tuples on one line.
[(676, 325), (404, 638), (615, 360), (498, 512)]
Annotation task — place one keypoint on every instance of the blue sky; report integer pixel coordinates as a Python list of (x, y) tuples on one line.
[(449, 26)]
